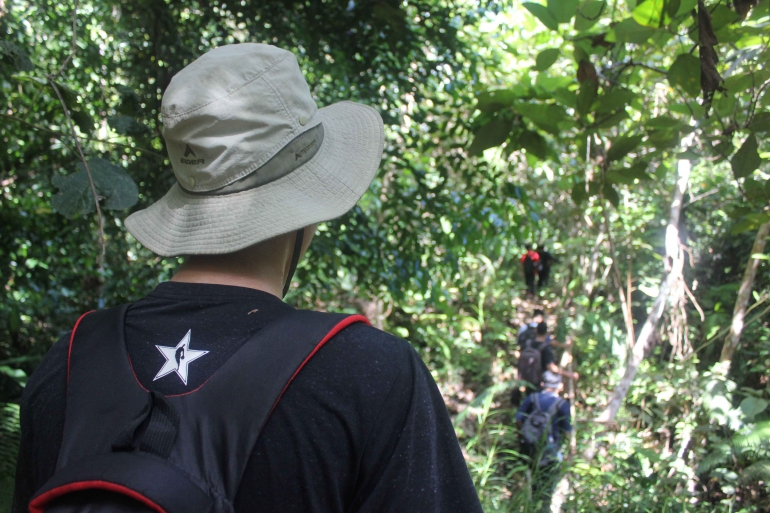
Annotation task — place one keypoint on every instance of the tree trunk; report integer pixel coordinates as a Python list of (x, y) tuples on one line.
[(674, 268), (744, 294)]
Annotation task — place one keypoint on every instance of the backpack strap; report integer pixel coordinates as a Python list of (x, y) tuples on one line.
[(555, 407), (536, 400), (192, 451)]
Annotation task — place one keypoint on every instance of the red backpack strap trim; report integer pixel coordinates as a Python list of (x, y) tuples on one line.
[(72, 339), (344, 323), (39, 503)]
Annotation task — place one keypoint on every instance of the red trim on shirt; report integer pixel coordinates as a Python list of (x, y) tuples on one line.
[(39, 504)]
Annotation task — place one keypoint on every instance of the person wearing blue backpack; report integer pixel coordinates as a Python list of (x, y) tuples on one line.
[(212, 395), (543, 420)]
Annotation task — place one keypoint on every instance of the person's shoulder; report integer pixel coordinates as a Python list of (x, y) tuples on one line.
[(369, 346), (50, 374)]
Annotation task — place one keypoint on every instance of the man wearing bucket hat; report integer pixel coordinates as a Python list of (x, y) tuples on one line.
[(211, 394)]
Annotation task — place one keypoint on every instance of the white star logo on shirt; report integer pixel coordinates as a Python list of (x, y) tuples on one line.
[(178, 358)]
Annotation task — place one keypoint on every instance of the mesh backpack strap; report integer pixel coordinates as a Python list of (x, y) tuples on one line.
[(175, 454), (252, 384)]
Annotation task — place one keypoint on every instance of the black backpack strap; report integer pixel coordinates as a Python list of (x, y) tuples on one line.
[(177, 453), (253, 382), (555, 407), (536, 399)]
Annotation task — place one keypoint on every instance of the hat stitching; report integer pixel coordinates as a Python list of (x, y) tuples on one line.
[(229, 93), (268, 155), (286, 109)]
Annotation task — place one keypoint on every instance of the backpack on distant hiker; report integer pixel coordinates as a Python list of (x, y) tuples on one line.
[(531, 359), (536, 431), (129, 450), (530, 261)]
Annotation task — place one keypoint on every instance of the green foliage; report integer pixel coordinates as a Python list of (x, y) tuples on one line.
[(501, 128), (111, 183)]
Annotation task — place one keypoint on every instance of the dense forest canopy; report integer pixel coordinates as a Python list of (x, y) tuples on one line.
[(629, 137)]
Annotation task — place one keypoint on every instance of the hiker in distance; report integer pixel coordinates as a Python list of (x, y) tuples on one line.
[(535, 358), (544, 261), (543, 420), (211, 394), (538, 316), (529, 264)]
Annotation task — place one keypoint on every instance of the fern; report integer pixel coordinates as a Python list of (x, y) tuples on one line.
[(757, 471), (10, 435)]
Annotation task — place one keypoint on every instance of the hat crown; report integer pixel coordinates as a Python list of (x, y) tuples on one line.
[(231, 110), (551, 379)]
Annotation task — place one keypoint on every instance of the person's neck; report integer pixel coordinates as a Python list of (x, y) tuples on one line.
[(195, 273), (262, 267)]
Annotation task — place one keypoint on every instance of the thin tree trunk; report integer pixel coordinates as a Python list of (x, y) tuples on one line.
[(625, 301), (674, 268), (744, 294)]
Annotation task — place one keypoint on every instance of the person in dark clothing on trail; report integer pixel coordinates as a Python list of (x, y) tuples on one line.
[(535, 357), (545, 259), (538, 316), (359, 427), (529, 262), (543, 419)]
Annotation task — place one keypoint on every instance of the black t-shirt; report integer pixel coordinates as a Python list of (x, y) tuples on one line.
[(546, 259), (362, 428)]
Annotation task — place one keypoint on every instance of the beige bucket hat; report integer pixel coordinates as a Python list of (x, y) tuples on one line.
[(252, 154)]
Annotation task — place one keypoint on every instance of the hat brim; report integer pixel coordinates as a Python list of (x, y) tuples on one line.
[(324, 188)]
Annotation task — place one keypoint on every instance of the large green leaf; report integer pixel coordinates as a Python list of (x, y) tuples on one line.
[(126, 125), (611, 194), (760, 123), (495, 99), (579, 194), (542, 13), (622, 146), (112, 184), (544, 116), (15, 57), (563, 10), (757, 191), (586, 97), (588, 14), (616, 98), (629, 31), (721, 16), (628, 176), (492, 134), (610, 121), (746, 160), (546, 58), (534, 143), (649, 13), (685, 73)]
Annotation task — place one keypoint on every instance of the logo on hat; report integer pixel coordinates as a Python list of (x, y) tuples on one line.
[(301, 153), (187, 152)]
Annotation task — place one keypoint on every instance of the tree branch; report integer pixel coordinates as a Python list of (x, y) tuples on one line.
[(744, 294), (656, 312), (85, 166)]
